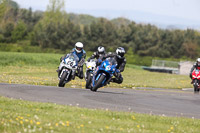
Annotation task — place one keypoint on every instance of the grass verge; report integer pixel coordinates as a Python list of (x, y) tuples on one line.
[(25, 116)]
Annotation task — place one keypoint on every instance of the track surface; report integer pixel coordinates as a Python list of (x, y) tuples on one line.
[(151, 101)]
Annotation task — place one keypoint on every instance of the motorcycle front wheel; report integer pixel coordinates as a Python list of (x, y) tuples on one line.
[(196, 87), (88, 81), (62, 79), (99, 82)]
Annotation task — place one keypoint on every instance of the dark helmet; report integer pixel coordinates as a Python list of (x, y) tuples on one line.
[(101, 50), (120, 52)]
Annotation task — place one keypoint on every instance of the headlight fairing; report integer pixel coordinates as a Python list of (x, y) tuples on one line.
[(108, 68)]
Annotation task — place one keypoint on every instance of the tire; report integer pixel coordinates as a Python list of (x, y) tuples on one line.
[(196, 89), (98, 84), (88, 81), (62, 79)]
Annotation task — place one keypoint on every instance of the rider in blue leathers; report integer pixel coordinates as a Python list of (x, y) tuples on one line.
[(80, 52)]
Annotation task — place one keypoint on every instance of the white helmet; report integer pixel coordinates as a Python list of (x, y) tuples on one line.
[(198, 61), (101, 50), (78, 47), (120, 52)]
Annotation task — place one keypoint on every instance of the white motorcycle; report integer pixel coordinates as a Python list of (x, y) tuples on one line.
[(90, 68), (68, 68)]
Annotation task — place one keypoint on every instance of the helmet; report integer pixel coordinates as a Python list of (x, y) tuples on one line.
[(101, 50), (198, 61), (78, 47), (120, 52)]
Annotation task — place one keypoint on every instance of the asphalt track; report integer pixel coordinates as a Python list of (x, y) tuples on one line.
[(165, 102)]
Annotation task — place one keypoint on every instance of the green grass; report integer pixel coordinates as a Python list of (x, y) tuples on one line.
[(40, 69), (29, 59), (25, 46), (24, 116), (141, 78)]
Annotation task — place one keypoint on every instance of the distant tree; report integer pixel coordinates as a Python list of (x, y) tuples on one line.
[(121, 22), (103, 33), (7, 32), (68, 34), (54, 30), (19, 32), (2, 9), (52, 17), (10, 10), (80, 19), (190, 50), (55, 12), (12, 4)]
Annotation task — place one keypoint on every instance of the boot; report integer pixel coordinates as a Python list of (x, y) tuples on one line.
[(111, 80), (73, 76), (57, 70)]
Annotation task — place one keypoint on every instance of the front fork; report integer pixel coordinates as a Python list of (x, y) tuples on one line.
[(64, 70), (86, 73), (195, 82)]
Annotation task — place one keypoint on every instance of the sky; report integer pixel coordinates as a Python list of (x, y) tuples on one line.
[(182, 13)]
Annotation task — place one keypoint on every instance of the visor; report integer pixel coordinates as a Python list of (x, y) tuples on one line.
[(121, 54), (101, 52), (79, 48)]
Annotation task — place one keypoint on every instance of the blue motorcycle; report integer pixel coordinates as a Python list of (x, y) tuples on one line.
[(103, 73)]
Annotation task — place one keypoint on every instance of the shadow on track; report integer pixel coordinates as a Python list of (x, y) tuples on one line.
[(109, 92)]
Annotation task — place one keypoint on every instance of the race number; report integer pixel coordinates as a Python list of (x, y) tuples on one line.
[(70, 63)]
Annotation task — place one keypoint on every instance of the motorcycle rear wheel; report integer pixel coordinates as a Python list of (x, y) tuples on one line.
[(62, 79), (98, 84)]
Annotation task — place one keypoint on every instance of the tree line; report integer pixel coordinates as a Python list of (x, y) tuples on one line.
[(57, 29)]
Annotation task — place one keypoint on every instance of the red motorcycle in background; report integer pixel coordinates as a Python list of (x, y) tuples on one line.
[(196, 80)]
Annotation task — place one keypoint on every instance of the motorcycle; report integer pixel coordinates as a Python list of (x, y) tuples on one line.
[(196, 80), (68, 68), (90, 68), (104, 73)]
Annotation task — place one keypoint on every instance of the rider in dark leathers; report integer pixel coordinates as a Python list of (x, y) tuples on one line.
[(99, 54), (121, 62)]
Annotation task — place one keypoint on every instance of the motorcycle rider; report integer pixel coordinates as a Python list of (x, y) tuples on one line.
[(121, 62), (80, 52), (195, 66), (99, 54)]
